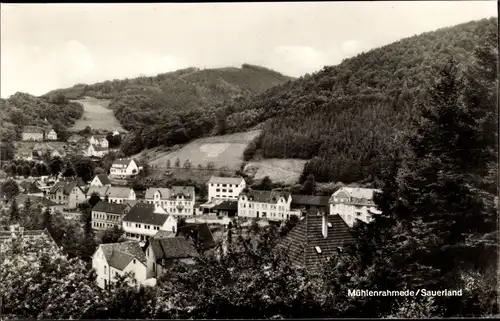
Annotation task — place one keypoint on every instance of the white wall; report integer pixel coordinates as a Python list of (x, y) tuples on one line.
[(349, 213), (224, 191), (125, 171), (76, 197), (277, 212), (98, 264), (96, 182)]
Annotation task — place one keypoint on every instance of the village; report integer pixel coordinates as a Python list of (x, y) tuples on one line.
[(158, 226)]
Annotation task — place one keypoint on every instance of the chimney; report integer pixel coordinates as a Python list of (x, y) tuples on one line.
[(324, 225)]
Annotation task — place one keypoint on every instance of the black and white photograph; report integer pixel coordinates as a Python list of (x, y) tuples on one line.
[(249, 160)]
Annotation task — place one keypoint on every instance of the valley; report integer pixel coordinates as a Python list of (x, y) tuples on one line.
[(97, 115)]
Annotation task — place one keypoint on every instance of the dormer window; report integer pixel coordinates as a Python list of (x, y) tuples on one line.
[(329, 224), (318, 249)]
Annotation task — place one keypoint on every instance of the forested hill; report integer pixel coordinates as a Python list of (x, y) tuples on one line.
[(23, 109), (346, 118)]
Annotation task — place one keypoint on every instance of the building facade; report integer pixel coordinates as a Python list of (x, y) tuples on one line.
[(116, 259), (107, 215), (68, 193), (100, 181), (51, 135), (32, 133), (272, 205), (354, 203), (118, 195), (124, 168), (177, 200), (144, 220), (225, 188)]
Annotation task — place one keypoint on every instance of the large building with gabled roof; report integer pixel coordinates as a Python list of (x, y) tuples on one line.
[(177, 200), (225, 188), (354, 203), (145, 220), (116, 259), (272, 205), (315, 240)]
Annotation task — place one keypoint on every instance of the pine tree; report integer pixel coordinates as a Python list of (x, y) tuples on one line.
[(14, 211)]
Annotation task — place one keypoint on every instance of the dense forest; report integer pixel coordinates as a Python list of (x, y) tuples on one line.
[(23, 109), (178, 106), (345, 119)]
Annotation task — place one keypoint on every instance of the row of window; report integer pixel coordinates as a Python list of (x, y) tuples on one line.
[(224, 190), (146, 226), (108, 217), (263, 206), (172, 203), (224, 185), (225, 196), (102, 225)]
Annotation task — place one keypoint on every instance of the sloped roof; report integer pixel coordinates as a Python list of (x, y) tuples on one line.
[(227, 205), (67, 187), (186, 191), (21, 198), (161, 234), (74, 138), (144, 213), (98, 148), (164, 192), (310, 200), (110, 207), (115, 191), (104, 179), (200, 231), (357, 192), (100, 190), (307, 234), (225, 180), (266, 196), (119, 255), (33, 130), (122, 161), (172, 248)]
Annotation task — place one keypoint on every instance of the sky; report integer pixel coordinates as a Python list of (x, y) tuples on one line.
[(49, 46)]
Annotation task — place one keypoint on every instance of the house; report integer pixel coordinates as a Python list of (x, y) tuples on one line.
[(116, 133), (106, 215), (67, 192), (124, 168), (32, 133), (273, 205), (50, 134), (96, 151), (16, 231), (144, 220), (315, 239), (36, 201), (177, 200), (353, 203), (75, 138), (163, 252), (310, 203), (30, 188), (226, 208), (225, 187), (116, 259), (99, 190), (117, 194), (199, 233), (101, 180), (99, 140)]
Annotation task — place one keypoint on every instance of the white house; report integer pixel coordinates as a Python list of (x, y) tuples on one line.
[(32, 133), (143, 221), (51, 135), (96, 151), (99, 140), (273, 205), (107, 215), (225, 187), (352, 203), (177, 200), (120, 194), (67, 192), (116, 133), (99, 190), (101, 180), (116, 259), (124, 168)]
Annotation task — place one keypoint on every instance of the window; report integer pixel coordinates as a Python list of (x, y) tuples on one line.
[(230, 191), (224, 185), (105, 270), (133, 261), (217, 190)]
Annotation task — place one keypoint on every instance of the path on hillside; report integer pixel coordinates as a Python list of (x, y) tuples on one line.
[(97, 114)]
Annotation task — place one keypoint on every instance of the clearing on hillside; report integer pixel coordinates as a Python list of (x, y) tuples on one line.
[(97, 115), (222, 151), (287, 171)]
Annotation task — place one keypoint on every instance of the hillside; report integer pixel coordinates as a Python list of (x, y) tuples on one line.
[(23, 109), (347, 118), (162, 104)]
